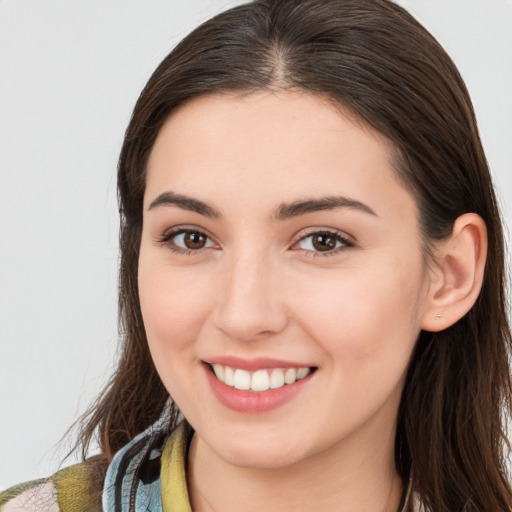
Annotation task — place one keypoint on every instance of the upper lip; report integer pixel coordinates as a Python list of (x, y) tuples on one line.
[(254, 364)]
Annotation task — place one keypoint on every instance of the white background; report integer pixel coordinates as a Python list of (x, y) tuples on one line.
[(70, 72)]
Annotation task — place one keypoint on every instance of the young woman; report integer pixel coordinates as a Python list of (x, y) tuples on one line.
[(312, 279)]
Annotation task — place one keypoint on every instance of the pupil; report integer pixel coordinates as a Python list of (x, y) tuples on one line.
[(324, 242), (195, 240)]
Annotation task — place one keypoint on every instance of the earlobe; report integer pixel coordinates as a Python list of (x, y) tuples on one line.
[(458, 275)]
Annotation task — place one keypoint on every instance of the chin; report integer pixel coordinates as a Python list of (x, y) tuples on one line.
[(262, 453)]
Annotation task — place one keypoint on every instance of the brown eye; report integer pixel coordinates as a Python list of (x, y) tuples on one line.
[(326, 242), (323, 242), (183, 240), (194, 240)]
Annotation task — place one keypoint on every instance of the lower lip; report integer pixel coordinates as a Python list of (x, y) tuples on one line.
[(254, 402)]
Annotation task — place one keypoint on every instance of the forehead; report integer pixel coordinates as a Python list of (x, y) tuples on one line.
[(268, 147)]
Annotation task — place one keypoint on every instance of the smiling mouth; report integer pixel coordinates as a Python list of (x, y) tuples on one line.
[(259, 380)]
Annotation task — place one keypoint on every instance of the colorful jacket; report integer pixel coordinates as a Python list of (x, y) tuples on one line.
[(131, 483)]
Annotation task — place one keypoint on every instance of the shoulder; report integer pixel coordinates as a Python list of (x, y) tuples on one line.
[(73, 489), (30, 496)]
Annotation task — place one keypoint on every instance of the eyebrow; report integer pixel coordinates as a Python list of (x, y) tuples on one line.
[(283, 211), (301, 207), (185, 203)]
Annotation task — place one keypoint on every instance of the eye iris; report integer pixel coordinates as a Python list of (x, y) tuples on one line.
[(194, 240), (324, 242)]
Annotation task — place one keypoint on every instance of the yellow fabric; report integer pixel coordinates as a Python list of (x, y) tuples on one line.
[(74, 490), (173, 477)]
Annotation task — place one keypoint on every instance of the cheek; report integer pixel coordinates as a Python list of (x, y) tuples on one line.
[(365, 316), (174, 305)]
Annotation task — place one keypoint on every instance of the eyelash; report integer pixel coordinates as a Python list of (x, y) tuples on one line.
[(167, 238), (338, 237)]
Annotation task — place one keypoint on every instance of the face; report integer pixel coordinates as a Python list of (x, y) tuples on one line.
[(281, 277)]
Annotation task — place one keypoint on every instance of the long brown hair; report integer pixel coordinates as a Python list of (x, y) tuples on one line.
[(375, 59)]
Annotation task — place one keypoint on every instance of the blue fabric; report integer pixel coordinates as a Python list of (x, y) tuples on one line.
[(132, 482)]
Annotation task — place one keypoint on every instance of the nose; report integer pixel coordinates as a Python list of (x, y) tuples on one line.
[(251, 299)]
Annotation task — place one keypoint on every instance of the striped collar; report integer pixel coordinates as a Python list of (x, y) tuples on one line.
[(133, 479)]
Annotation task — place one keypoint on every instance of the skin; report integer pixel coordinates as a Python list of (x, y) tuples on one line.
[(258, 288)]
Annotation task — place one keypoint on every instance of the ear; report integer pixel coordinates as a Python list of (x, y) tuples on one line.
[(457, 274)]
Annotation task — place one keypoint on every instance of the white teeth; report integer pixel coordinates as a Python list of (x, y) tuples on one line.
[(302, 372), (276, 378), (260, 380), (290, 376), (242, 380), (229, 376), (219, 371)]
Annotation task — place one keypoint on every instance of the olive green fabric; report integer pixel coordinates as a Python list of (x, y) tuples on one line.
[(74, 491), (78, 488)]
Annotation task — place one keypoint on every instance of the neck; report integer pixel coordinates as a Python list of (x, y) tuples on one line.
[(351, 477)]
